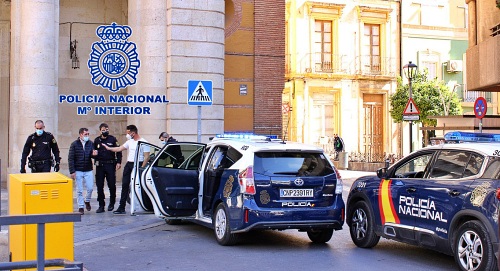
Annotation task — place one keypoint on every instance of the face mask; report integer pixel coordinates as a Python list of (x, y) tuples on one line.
[(39, 132), (85, 138), (128, 137), (163, 142), (105, 133)]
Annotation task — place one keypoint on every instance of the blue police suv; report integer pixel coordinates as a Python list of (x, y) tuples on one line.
[(440, 197), (234, 185)]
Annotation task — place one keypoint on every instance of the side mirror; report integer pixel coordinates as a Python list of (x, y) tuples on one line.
[(382, 172)]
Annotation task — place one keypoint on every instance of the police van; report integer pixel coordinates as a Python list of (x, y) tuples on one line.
[(240, 183), (442, 197)]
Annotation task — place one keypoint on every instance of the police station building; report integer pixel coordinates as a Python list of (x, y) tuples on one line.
[(161, 65)]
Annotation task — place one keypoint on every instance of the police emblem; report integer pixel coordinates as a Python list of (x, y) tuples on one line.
[(264, 197), (113, 62), (228, 186), (479, 193)]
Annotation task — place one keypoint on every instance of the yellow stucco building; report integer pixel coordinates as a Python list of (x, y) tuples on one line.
[(341, 68)]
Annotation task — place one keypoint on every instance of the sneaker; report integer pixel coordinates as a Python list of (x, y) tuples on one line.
[(80, 210), (87, 205), (119, 211), (100, 209), (111, 206)]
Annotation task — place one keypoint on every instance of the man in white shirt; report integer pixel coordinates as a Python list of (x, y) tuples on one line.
[(131, 145)]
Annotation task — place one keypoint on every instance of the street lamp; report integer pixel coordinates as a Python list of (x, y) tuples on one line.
[(410, 70)]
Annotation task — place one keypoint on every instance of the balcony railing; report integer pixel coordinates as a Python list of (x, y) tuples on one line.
[(376, 65), (323, 63), (471, 96)]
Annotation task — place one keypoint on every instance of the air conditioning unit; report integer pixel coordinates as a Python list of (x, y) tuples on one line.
[(454, 66)]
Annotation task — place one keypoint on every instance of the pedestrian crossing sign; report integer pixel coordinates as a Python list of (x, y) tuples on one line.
[(199, 92)]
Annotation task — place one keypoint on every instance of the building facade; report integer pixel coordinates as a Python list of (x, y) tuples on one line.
[(434, 37), (44, 69), (342, 63)]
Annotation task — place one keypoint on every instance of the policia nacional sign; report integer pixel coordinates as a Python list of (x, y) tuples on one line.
[(113, 64)]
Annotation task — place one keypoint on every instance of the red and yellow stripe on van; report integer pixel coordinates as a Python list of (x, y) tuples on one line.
[(385, 203)]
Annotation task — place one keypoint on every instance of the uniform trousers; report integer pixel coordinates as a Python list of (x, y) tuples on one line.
[(106, 171)]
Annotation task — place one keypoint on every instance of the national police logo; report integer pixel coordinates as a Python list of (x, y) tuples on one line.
[(113, 62)]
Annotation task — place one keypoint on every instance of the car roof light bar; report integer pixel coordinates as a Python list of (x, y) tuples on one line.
[(250, 136), (458, 136)]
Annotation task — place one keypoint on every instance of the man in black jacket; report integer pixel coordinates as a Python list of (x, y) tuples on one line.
[(80, 167), (40, 144), (106, 164)]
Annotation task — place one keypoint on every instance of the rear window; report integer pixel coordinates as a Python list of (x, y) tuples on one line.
[(292, 164)]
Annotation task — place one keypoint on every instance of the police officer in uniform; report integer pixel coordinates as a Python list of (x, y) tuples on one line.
[(107, 163), (40, 144)]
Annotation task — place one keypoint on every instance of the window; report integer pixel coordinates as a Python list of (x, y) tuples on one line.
[(431, 67), (291, 163), (323, 44), (371, 47), (415, 168), (492, 169), (451, 165)]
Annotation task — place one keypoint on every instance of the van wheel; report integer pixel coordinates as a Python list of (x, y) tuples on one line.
[(362, 226), (320, 236), (221, 227), (473, 247)]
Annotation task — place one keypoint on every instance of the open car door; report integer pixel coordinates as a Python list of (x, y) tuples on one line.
[(171, 179), (139, 200)]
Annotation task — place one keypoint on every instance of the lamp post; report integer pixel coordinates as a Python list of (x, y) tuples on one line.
[(410, 70)]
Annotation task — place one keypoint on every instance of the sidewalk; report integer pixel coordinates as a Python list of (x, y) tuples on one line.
[(97, 228)]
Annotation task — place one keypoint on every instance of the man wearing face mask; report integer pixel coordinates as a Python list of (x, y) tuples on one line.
[(106, 163), (80, 167), (40, 144), (133, 138), (175, 151)]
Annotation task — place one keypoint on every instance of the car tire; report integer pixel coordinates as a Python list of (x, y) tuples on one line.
[(173, 221), (473, 247), (320, 236), (362, 226), (221, 227)]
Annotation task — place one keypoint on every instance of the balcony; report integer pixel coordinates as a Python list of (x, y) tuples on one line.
[(483, 66), (322, 63), (375, 65)]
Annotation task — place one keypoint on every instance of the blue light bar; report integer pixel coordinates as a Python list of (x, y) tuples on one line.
[(471, 137), (246, 136)]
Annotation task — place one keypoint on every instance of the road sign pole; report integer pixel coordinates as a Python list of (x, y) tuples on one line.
[(199, 124)]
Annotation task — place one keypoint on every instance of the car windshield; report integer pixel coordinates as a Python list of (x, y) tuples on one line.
[(292, 163)]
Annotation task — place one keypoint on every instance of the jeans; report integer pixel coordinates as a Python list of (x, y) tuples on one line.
[(84, 177)]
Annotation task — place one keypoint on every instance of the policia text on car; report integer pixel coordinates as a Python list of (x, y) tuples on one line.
[(40, 144)]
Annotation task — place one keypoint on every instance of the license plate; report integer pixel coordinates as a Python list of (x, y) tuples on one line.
[(296, 193)]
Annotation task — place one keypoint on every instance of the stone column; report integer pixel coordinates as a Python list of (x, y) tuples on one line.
[(195, 51), (472, 19), (148, 20), (33, 71)]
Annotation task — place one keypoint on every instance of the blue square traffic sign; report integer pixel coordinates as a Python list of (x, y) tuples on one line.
[(199, 92)]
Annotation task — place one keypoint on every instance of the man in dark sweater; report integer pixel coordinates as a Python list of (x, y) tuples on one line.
[(80, 167)]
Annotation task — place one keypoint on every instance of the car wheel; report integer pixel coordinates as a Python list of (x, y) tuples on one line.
[(173, 221), (320, 236), (221, 227), (362, 226), (473, 247)]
